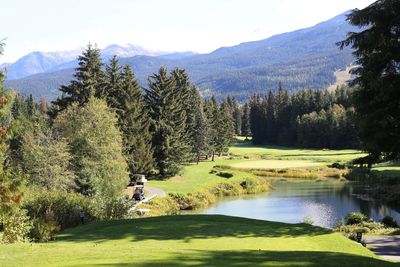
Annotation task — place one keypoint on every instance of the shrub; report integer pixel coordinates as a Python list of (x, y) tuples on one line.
[(226, 189), (43, 230), (225, 174), (355, 218), (339, 166), (110, 208), (183, 200), (16, 226), (202, 199), (64, 206), (389, 221), (161, 206)]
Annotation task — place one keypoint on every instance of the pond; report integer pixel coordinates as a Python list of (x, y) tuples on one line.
[(323, 202)]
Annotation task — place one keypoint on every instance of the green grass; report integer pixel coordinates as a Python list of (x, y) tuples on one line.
[(288, 153), (247, 156), (195, 177), (192, 240), (275, 164)]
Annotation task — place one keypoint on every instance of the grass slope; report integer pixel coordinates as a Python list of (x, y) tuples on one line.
[(192, 240)]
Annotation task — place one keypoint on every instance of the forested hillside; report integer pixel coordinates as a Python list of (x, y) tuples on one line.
[(304, 58)]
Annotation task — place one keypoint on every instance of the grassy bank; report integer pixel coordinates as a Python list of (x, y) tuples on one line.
[(217, 183), (192, 240)]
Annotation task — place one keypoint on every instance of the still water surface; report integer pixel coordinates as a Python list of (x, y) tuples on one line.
[(323, 202)]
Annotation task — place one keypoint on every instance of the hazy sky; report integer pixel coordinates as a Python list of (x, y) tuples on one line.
[(167, 25)]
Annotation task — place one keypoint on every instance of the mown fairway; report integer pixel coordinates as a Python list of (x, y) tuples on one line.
[(192, 240), (244, 155), (275, 164)]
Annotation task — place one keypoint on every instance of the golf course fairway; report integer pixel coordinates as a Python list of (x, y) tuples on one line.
[(192, 240)]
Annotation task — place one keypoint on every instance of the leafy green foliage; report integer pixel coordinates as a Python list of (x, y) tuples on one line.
[(46, 161), (16, 226), (96, 146), (54, 210), (355, 218)]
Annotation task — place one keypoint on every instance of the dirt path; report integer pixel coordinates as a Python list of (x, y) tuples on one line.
[(387, 247), (151, 191)]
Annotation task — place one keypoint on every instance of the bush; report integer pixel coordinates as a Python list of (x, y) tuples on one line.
[(43, 230), (161, 206), (112, 208), (389, 221), (225, 174), (226, 189), (65, 207), (16, 226), (355, 218), (339, 166)]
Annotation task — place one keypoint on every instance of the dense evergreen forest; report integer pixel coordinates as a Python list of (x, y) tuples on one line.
[(306, 118)]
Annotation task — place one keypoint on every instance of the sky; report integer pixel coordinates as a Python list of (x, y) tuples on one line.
[(165, 25)]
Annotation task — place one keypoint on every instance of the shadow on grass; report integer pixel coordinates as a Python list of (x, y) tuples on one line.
[(262, 258), (186, 227)]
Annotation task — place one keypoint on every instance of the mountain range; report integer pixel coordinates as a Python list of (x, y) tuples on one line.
[(305, 58)]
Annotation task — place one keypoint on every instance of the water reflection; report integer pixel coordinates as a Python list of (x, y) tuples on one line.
[(323, 202)]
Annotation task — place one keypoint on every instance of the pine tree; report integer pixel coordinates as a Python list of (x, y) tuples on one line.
[(200, 138), (187, 101), (270, 118), (225, 129), (237, 116), (113, 85), (134, 124), (89, 81), (212, 114), (31, 106), (246, 129), (167, 123), (377, 95)]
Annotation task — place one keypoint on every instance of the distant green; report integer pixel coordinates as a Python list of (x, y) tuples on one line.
[(194, 176)]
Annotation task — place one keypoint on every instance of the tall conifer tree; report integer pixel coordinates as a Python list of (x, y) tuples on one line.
[(167, 123), (89, 81)]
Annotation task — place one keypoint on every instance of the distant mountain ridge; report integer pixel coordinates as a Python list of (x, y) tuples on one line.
[(300, 59), (40, 62)]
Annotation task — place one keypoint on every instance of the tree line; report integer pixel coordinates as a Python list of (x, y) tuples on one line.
[(305, 118)]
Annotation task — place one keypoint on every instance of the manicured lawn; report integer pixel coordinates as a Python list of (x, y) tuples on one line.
[(194, 177), (275, 164), (192, 240), (246, 155), (249, 150)]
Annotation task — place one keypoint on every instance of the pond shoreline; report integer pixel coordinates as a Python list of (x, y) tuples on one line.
[(325, 203)]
